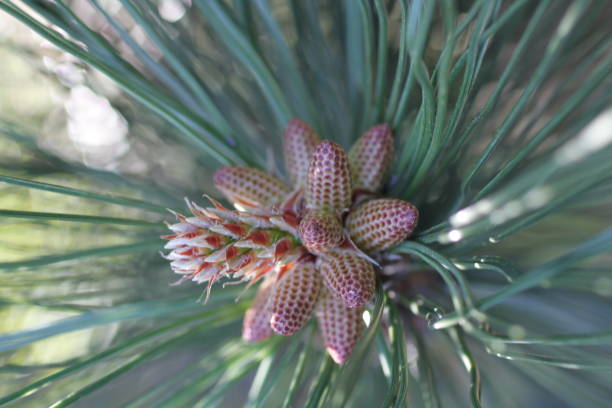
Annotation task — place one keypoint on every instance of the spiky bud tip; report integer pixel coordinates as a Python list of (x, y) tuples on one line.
[(320, 231)]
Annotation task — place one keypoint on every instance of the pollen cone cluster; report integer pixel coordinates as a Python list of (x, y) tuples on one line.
[(308, 244)]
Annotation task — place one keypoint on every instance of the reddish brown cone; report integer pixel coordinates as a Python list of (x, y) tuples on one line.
[(299, 143), (256, 323), (329, 179), (294, 297), (377, 225), (370, 159), (249, 187), (341, 326), (347, 276), (320, 231), (296, 238)]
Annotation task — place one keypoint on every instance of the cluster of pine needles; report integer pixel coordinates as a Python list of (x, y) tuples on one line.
[(502, 118)]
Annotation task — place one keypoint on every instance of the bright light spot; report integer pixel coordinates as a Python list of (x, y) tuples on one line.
[(484, 206), (466, 362), (171, 10), (498, 217), (239, 207), (139, 35), (452, 236), (603, 286), (497, 346), (516, 332), (94, 125), (471, 214), (595, 136), (513, 209), (537, 198), (367, 317), (463, 217), (478, 315), (455, 235), (384, 365)]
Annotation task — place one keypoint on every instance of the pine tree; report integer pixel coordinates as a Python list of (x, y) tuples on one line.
[(413, 195)]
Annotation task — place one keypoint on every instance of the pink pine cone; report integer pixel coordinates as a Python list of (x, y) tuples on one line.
[(256, 324), (329, 178), (341, 326), (370, 159), (348, 276), (249, 187), (377, 225), (299, 143), (296, 240), (294, 298), (320, 231)]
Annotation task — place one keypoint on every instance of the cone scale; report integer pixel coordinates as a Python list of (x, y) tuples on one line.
[(320, 231)]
